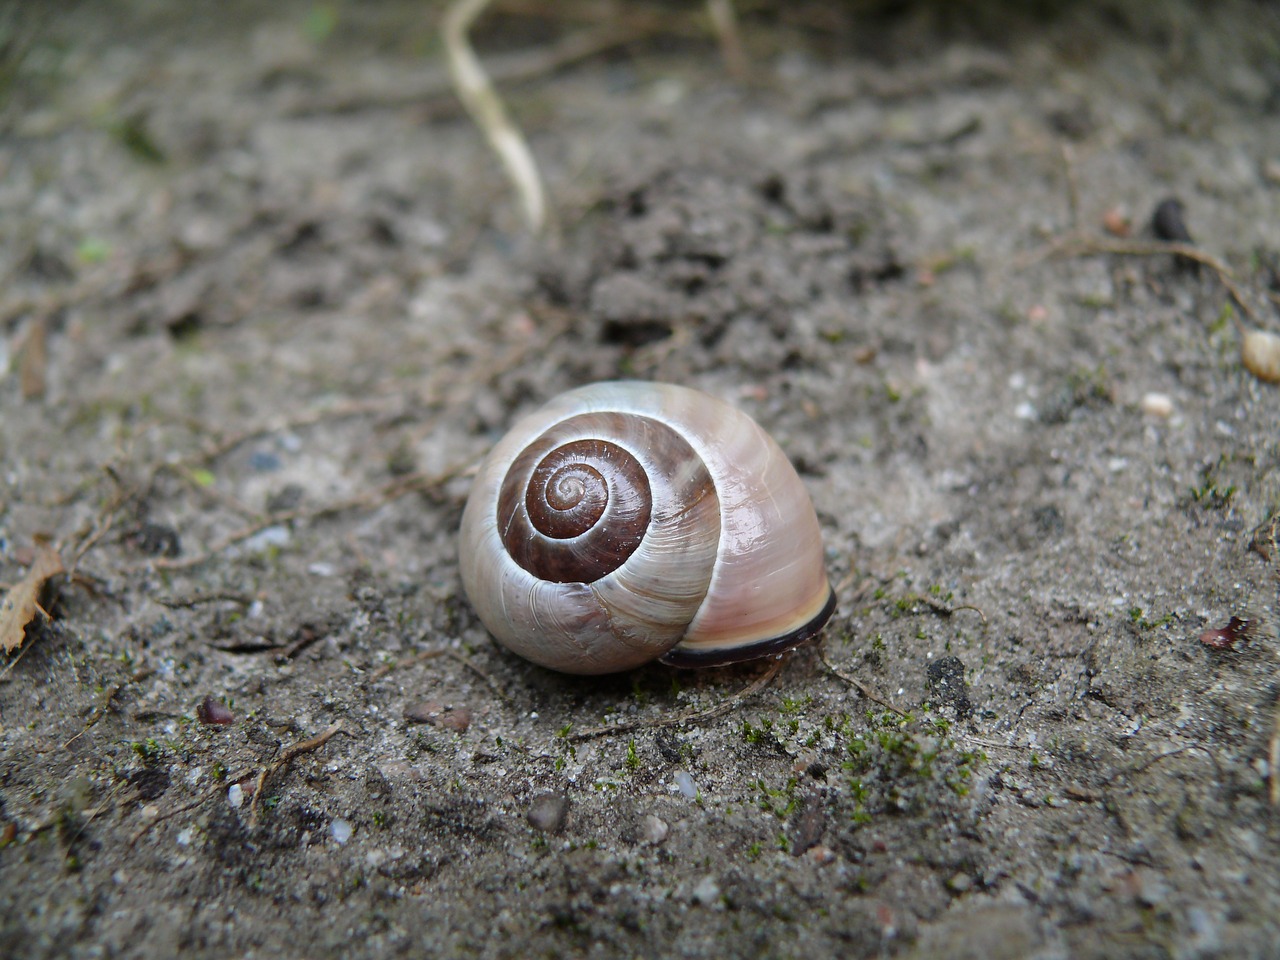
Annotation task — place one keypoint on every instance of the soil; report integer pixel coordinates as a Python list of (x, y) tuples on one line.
[(268, 295)]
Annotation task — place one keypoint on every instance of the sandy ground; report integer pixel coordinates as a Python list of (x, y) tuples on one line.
[(267, 296)]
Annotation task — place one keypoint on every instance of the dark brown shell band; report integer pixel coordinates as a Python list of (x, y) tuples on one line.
[(578, 514), (720, 656)]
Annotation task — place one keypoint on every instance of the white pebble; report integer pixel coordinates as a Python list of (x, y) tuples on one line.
[(653, 829), (688, 789), (1157, 404), (707, 891), (340, 830), (235, 796)]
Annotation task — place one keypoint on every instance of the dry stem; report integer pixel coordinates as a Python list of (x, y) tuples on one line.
[(724, 706), (282, 761), (481, 100)]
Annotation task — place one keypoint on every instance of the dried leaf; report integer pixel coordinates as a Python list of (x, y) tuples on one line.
[(22, 602)]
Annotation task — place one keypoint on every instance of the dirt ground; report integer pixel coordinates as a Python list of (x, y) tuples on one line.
[(267, 295)]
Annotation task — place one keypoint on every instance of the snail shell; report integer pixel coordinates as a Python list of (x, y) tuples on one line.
[(626, 522)]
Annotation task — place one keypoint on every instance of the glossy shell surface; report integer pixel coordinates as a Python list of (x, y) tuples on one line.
[(663, 524)]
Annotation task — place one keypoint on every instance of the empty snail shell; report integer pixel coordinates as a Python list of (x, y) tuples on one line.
[(626, 522)]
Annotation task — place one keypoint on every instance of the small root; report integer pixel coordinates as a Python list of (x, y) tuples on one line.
[(858, 685), (282, 761), (403, 662), (401, 486), (686, 716), (1273, 771), (1078, 244)]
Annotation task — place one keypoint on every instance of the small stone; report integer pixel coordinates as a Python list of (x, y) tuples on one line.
[(341, 831), (235, 796), (548, 812), (960, 883), (1116, 222), (820, 855), (456, 718), (653, 830), (707, 892), (1157, 405), (810, 823), (684, 782), (1168, 222), (1260, 354), (213, 712)]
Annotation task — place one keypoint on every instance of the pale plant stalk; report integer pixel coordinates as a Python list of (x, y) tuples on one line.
[(486, 109)]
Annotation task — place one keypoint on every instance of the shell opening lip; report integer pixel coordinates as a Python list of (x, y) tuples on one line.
[(751, 651)]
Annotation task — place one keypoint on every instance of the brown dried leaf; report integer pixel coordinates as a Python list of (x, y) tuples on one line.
[(22, 602)]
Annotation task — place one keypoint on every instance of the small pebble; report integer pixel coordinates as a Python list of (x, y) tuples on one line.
[(272, 537), (820, 855), (1260, 354), (688, 789), (456, 718), (264, 461), (214, 713), (653, 830), (960, 883), (548, 812), (1157, 405), (340, 830), (235, 796), (1116, 222), (707, 892), (1168, 222)]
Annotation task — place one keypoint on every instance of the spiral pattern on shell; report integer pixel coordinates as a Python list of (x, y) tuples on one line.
[(626, 522)]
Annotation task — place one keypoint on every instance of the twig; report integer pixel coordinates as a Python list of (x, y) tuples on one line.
[(168, 815), (354, 408), (481, 100), (199, 599), (108, 696), (399, 487), (1273, 770), (725, 23), (857, 684), (474, 668), (1073, 187), (282, 761), (1084, 245), (387, 668), (724, 706), (946, 610)]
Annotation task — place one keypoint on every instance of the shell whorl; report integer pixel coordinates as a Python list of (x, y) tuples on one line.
[(625, 522)]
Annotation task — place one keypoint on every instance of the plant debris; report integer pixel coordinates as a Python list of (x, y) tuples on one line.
[(22, 602), (1227, 637)]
